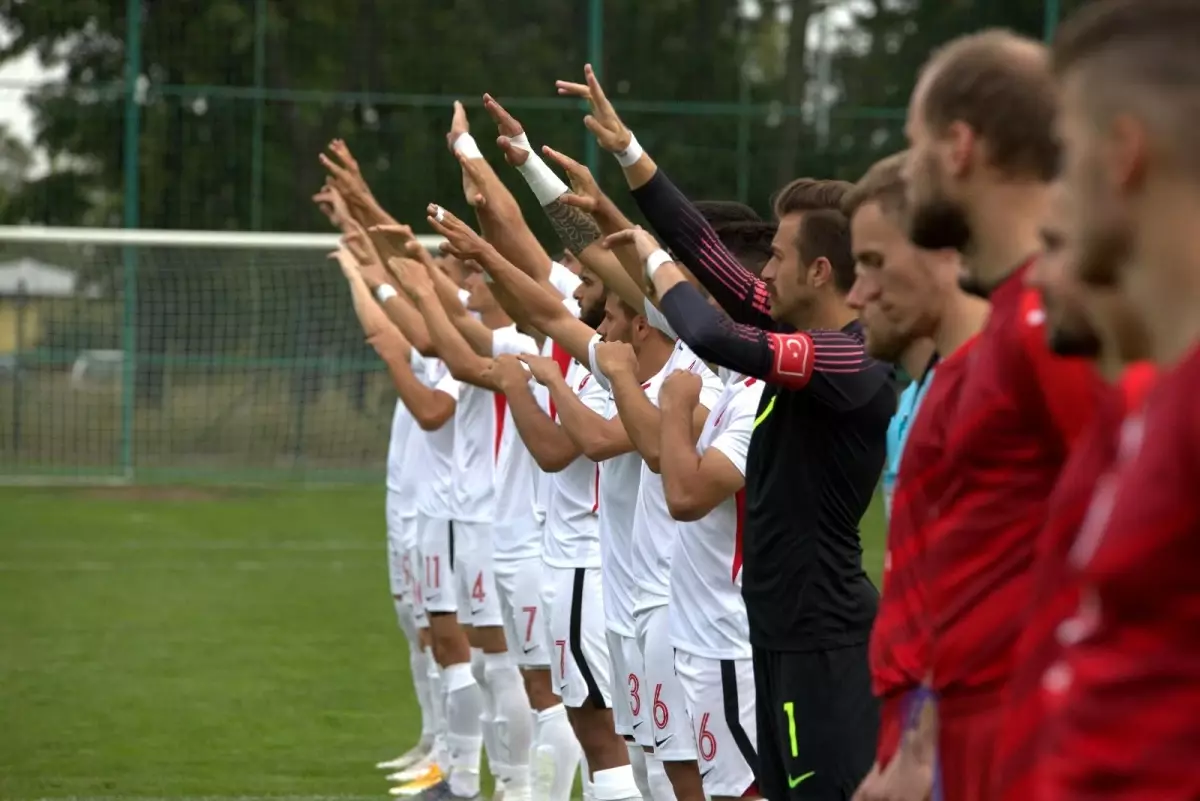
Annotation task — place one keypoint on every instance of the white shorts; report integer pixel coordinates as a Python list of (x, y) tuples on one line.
[(720, 702), (436, 543), (664, 708), (519, 585), (627, 669), (400, 532), (418, 597), (574, 599), (475, 575)]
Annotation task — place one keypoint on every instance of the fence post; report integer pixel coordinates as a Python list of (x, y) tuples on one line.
[(129, 254), (1050, 14), (256, 145), (591, 153)]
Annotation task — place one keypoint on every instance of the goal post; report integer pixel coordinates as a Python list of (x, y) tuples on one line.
[(184, 356)]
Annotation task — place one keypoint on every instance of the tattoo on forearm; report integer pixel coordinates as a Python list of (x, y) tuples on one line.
[(574, 227)]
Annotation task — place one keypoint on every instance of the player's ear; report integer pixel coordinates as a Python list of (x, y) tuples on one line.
[(819, 273)]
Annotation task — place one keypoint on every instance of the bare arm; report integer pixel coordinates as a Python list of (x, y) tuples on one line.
[(598, 439), (551, 447), (463, 362), (694, 485), (638, 415)]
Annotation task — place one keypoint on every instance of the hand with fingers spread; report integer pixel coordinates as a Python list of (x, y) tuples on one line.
[(616, 358), (637, 236), (461, 240), (508, 374), (413, 277), (603, 122), (545, 370), (331, 203), (345, 175), (509, 129), (680, 392)]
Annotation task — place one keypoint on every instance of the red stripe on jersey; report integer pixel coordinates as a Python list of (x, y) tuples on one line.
[(596, 491), (501, 405), (739, 499), (560, 355)]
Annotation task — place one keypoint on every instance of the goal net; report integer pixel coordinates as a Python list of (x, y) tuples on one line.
[(182, 356)]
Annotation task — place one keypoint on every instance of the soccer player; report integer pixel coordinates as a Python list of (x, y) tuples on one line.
[(907, 297), (1126, 694), (824, 396), (1095, 322), (574, 625), (982, 150)]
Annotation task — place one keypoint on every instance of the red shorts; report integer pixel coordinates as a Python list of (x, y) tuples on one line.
[(966, 749), (891, 726)]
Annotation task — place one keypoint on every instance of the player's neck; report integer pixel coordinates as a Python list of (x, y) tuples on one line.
[(916, 358), (1168, 286), (831, 314), (963, 316), (495, 318), (1004, 226), (652, 355)]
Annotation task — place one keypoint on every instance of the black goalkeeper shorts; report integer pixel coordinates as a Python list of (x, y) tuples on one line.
[(817, 723)]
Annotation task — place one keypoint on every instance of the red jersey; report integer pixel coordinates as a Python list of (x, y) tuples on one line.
[(1055, 586), (900, 637), (1020, 408), (1128, 727)]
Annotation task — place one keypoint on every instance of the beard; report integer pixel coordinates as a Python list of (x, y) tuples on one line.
[(593, 316), (940, 224), (1083, 344)]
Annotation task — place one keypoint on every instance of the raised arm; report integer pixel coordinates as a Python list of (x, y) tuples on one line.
[(672, 216), (551, 447), (399, 309), (347, 177), (543, 308), (598, 438)]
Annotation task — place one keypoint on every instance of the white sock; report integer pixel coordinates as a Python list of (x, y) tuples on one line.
[(585, 777), (464, 740), (637, 761), (420, 676), (615, 784), (513, 728), (660, 784), (437, 708), (497, 764), (556, 755)]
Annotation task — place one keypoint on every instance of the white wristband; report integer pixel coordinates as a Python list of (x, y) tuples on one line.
[(467, 145), (655, 260), (547, 187), (630, 155), (385, 292), (521, 142)]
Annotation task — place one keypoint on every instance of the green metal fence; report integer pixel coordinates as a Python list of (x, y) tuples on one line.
[(209, 115)]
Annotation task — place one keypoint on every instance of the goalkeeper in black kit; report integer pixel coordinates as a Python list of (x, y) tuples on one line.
[(815, 457)]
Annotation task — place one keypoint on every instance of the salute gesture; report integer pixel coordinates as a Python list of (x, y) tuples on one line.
[(507, 374), (680, 392), (603, 122), (369, 263), (331, 203), (462, 241), (545, 370), (412, 276), (615, 358), (509, 129), (585, 193)]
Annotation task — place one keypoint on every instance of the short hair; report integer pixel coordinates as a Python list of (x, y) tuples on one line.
[(826, 232), (722, 212), (808, 194), (883, 184), (750, 242), (1000, 85)]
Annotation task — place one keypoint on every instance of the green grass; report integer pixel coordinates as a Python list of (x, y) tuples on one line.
[(160, 643)]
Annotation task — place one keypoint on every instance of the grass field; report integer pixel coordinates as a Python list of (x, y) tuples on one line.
[(189, 644)]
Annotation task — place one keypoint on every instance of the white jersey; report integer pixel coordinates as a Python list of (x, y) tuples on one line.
[(619, 479), (435, 489), (708, 615), (516, 533), (655, 532), (572, 537), (476, 423), (407, 441)]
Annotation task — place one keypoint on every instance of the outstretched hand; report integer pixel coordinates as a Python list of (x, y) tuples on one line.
[(462, 241), (370, 265), (413, 276), (603, 122), (345, 175), (508, 128), (331, 203), (637, 236), (346, 261), (585, 193)]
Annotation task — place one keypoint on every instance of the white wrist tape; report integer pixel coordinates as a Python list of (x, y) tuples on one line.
[(655, 260), (385, 292), (547, 187), (630, 155), (521, 142), (467, 145)]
